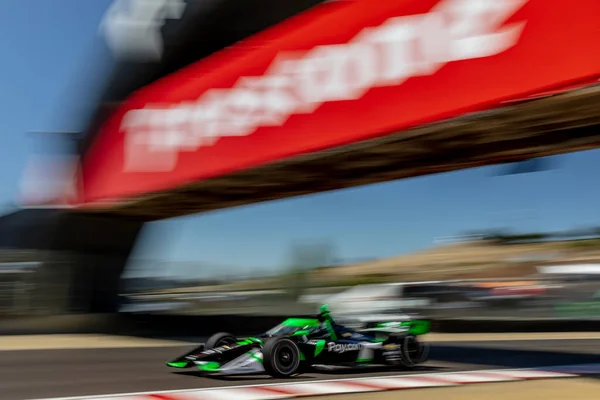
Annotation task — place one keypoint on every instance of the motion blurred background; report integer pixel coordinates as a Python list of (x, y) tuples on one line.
[(515, 240)]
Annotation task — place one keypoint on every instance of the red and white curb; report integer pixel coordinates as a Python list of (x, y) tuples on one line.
[(341, 386)]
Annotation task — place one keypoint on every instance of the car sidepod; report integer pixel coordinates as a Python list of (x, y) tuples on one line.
[(340, 352), (396, 351)]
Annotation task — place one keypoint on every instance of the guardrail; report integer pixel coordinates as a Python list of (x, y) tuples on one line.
[(150, 325)]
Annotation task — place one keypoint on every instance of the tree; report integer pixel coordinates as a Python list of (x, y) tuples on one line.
[(304, 258)]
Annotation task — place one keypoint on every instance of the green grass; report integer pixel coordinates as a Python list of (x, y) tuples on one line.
[(582, 244)]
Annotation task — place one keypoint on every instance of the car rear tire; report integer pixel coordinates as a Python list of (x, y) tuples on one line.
[(220, 339), (413, 351), (281, 358)]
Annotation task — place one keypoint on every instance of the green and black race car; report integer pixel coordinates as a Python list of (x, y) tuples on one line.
[(298, 344)]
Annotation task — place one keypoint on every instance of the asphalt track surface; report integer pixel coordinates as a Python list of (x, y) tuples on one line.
[(64, 373)]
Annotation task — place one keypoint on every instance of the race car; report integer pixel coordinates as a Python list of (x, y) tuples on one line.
[(300, 344)]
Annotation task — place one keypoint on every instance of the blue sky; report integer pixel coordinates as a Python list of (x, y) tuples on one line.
[(48, 48), (391, 218)]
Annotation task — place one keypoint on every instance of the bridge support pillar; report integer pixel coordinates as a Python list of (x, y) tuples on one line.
[(83, 257)]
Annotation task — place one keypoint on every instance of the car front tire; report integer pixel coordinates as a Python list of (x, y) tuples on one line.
[(281, 358), (220, 339)]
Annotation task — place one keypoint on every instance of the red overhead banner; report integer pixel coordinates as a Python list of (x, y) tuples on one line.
[(342, 72)]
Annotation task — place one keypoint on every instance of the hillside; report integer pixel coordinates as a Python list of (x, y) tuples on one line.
[(467, 260)]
